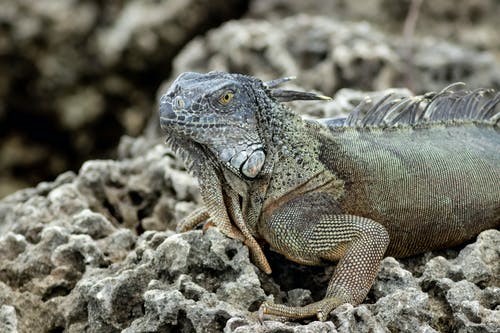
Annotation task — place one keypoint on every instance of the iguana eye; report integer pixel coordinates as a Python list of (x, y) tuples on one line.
[(226, 97)]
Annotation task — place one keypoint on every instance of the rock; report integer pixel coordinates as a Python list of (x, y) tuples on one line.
[(349, 55), (8, 319), (93, 224), (469, 23), (392, 278), (11, 245), (239, 325), (406, 310), (468, 285), (97, 251)]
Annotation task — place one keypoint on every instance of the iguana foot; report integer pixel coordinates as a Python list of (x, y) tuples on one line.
[(192, 220), (319, 309), (209, 224)]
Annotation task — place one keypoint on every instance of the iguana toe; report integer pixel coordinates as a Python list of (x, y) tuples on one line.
[(320, 310)]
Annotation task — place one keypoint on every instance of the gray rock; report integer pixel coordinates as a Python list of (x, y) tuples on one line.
[(354, 55), (84, 254), (93, 224), (360, 319), (11, 245), (392, 278), (239, 325), (469, 23), (404, 310), (8, 319)]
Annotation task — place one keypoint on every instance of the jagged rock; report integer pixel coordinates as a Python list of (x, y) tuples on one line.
[(470, 23), (97, 251), (327, 55), (8, 319), (70, 260)]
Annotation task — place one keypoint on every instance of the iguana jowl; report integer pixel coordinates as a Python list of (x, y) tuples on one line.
[(397, 177)]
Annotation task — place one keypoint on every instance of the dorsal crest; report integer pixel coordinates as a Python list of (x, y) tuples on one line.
[(451, 105)]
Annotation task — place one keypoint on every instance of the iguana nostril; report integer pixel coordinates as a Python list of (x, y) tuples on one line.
[(178, 102)]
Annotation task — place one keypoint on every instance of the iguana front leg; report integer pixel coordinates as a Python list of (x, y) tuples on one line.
[(306, 233), (212, 194), (201, 214), (258, 257), (192, 220), (219, 206)]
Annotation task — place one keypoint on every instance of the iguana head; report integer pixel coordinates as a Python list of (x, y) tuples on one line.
[(221, 112), (217, 110)]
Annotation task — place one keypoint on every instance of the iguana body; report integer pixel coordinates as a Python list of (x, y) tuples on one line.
[(396, 178)]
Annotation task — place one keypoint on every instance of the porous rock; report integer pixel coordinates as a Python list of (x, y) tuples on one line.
[(8, 320), (77, 255), (470, 23)]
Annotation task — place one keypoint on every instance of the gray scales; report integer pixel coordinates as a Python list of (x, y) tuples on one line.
[(397, 177)]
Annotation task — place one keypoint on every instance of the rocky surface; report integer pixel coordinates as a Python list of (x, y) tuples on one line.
[(96, 251), (471, 23), (76, 75), (328, 55)]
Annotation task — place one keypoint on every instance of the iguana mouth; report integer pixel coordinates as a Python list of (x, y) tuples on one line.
[(180, 123)]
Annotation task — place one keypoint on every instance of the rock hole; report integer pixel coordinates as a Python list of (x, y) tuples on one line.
[(231, 253), (144, 212), (184, 324), (283, 330), (139, 229), (254, 306), (57, 329), (221, 318), (136, 198), (55, 291), (112, 211), (189, 293)]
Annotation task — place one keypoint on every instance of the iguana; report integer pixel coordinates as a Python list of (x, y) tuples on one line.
[(397, 177)]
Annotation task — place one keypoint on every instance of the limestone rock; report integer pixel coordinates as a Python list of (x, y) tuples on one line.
[(97, 251)]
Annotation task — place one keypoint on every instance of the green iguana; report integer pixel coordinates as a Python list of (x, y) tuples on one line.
[(395, 178)]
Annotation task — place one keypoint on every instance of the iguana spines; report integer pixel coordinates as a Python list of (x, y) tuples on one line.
[(448, 106)]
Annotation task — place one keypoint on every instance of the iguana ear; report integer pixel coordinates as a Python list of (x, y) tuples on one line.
[(291, 95)]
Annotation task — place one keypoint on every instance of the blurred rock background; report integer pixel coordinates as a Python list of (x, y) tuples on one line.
[(95, 250), (77, 75)]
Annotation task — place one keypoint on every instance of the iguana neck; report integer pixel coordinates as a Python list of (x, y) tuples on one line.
[(192, 154), (292, 149)]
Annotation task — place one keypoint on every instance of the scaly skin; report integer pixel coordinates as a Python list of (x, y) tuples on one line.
[(399, 177)]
